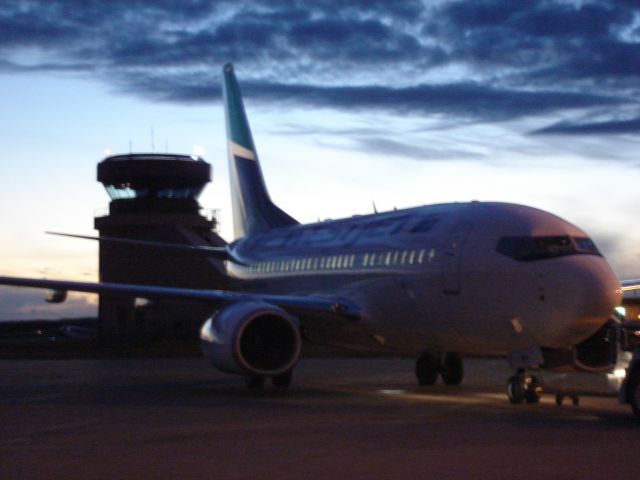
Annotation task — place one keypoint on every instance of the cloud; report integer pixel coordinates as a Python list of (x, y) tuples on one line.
[(377, 145), (486, 60), (536, 35), (10, 67), (465, 101), (608, 127)]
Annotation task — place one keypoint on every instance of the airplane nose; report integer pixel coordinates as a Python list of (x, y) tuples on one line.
[(581, 293), (601, 292)]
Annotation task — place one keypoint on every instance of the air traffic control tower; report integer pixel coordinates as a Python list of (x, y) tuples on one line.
[(154, 197)]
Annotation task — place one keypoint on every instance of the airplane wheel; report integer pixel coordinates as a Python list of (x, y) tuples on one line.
[(532, 390), (532, 397), (575, 399), (283, 380), (427, 369), (515, 389), (633, 389), (452, 369), (253, 381)]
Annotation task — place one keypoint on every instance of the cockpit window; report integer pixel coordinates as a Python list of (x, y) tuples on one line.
[(538, 248), (586, 245)]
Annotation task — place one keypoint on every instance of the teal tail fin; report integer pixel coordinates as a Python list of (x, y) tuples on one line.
[(253, 210)]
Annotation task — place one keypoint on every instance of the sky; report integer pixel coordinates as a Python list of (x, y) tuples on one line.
[(399, 103)]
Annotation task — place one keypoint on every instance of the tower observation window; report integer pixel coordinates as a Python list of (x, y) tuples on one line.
[(126, 190), (121, 191), (525, 248)]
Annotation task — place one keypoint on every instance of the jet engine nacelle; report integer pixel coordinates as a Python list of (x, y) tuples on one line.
[(599, 352), (251, 338), (596, 354)]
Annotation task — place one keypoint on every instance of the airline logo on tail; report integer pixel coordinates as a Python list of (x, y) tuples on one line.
[(239, 151)]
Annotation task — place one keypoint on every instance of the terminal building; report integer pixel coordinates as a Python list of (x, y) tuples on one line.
[(154, 197)]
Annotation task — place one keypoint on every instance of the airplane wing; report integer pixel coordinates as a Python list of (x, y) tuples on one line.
[(296, 304), (218, 253)]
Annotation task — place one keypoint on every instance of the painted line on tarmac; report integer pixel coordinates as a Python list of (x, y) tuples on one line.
[(434, 397)]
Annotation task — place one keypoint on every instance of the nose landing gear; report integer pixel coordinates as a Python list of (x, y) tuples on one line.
[(524, 387)]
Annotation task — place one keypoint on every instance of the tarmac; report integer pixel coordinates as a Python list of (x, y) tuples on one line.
[(341, 418)]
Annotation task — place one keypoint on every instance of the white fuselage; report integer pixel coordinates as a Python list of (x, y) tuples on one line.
[(435, 278)]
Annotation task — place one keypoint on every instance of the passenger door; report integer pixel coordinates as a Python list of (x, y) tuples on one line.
[(452, 252)]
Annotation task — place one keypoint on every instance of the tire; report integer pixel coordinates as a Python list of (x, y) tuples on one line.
[(532, 390), (452, 369), (427, 369), (516, 390), (531, 396)]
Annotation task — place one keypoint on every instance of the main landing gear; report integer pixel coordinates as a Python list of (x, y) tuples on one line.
[(448, 366), (524, 387), (575, 398)]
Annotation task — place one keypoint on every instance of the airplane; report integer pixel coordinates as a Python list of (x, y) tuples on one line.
[(438, 282)]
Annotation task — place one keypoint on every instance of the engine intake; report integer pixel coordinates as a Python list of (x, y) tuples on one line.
[(598, 353), (251, 338)]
